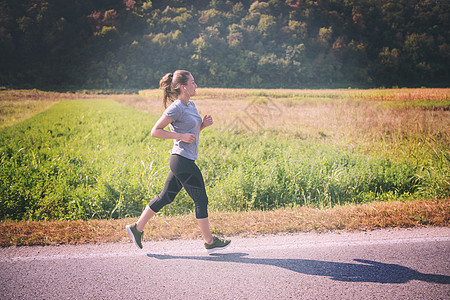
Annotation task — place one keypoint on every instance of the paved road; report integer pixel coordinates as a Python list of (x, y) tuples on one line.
[(382, 264)]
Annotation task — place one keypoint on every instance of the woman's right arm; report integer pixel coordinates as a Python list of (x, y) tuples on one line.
[(159, 132)]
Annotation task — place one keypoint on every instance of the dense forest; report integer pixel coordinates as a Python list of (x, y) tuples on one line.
[(130, 44)]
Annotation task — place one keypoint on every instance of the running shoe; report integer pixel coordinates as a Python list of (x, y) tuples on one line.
[(135, 235), (217, 244)]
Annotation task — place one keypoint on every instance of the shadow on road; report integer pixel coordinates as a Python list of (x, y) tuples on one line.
[(362, 271)]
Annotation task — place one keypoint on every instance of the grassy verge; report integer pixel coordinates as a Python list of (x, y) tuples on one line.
[(276, 161), (367, 216), (94, 158)]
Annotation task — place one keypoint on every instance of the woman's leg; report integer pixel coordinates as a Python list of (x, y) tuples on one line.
[(171, 188), (206, 231), (146, 215), (191, 178)]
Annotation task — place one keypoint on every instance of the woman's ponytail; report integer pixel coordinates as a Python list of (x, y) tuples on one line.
[(165, 84), (171, 83)]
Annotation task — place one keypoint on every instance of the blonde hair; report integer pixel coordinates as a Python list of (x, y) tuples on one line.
[(171, 85)]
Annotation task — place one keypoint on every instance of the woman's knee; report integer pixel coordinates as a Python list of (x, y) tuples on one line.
[(161, 200), (201, 207)]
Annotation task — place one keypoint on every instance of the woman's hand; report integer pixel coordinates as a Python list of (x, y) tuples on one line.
[(187, 137), (207, 121)]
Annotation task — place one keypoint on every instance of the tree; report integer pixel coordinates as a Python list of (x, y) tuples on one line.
[(245, 43)]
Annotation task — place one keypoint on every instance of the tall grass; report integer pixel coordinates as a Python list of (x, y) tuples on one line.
[(268, 172), (79, 159), (95, 158)]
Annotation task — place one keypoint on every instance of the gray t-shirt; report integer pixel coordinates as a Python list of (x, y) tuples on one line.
[(186, 119)]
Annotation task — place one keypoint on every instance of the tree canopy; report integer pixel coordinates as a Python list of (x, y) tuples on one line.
[(224, 43)]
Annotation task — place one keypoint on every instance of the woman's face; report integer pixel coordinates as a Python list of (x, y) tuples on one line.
[(191, 86)]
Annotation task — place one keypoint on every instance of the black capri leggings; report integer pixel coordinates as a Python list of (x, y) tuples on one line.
[(184, 173)]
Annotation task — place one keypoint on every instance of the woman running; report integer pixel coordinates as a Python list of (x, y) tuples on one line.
[(185, 125)]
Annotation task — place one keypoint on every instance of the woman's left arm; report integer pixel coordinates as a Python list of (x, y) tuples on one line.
[(207, 121)]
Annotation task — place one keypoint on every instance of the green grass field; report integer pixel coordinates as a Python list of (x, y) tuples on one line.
[(94, 158)]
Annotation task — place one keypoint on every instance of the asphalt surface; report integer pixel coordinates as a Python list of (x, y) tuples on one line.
[(382, 264)]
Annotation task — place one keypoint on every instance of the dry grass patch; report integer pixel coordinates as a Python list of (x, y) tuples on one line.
[(403, 94), (318, 114), (350, 218)]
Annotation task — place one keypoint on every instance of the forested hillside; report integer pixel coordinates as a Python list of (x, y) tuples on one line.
[(225, 43)]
